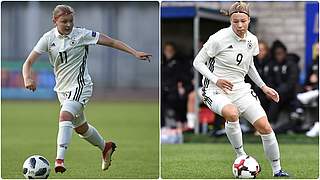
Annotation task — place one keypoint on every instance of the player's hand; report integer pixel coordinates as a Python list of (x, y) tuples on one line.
[(30, 84), (225, 85), (143, 56), (271, 93)]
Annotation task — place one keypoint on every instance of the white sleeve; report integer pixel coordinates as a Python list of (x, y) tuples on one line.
[(199, 65), (42, 45), (90, 37), (254, 75), (211, 46)]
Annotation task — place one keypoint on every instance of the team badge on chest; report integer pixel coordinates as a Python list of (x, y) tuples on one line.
[(73, 42), (249, 44)]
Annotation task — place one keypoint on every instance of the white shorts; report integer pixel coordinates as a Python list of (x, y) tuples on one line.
[(246, 101), (81, 95), (74, 102)]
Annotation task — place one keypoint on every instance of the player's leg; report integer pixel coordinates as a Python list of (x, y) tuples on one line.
[(232, 126), (88, 132), (91, 135), (68, 111), (256, 115), (270, 145), (222, 105), (269, 141)]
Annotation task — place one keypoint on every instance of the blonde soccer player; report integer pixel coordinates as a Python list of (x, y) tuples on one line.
[(224, 61), (67, 48)]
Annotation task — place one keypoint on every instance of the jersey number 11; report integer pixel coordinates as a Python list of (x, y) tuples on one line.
[(63, 56)]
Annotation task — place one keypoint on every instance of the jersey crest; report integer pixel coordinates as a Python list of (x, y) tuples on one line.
[(249, 44)]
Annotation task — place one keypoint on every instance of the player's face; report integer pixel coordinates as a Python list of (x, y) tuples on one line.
[(240, 23), (65, 24)]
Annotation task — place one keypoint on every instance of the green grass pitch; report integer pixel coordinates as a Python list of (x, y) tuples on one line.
[(29, 128), (214, 159)]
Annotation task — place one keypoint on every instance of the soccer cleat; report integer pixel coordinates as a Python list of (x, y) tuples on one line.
[(106, 155), (281, 173), (59, 166)]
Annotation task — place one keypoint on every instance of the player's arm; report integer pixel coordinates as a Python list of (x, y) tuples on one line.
[(255, 77), (29, 83), (199, 65), (108, 41)]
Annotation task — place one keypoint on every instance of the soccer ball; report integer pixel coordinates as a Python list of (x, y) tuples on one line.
[(245, 167), (36, 167)]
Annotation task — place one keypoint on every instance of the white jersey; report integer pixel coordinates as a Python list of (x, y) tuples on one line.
[(68, 56), (230, 56)]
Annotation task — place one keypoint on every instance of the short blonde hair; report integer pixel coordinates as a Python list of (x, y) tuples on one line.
[(61, 10), (239, 7)]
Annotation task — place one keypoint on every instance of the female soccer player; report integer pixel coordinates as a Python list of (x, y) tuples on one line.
[(224, 61), (68, 51)]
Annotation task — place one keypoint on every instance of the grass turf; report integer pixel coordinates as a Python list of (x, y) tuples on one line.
[(31, 127), (213, 157)]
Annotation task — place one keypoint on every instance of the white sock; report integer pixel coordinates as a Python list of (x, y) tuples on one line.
[(191, 119), (271, 149), (93, 137), (64, 138), (234, 134)]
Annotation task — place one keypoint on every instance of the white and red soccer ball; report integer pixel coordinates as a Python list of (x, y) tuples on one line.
[(245, 167)]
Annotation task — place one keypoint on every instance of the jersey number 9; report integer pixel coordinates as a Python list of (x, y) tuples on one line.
[(239, 58)]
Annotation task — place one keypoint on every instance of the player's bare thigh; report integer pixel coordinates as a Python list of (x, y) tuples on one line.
[(254, 113), (222, 105), (230, 113)]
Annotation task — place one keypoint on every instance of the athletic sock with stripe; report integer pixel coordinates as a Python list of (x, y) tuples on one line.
[(271, 150), (64, 138), (234, 135), (93, 137)]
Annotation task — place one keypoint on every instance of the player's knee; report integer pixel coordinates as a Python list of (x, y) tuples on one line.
[(265, 129), (233, 116), (82, 129), (230, 113), (263, 126), (65, 116)]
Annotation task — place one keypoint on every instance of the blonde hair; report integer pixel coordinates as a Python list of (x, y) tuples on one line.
[(237, 7), (61, 10)]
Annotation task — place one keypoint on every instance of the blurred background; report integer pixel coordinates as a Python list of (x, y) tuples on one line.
[(288, 62), (115, 74), (124, 107)]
